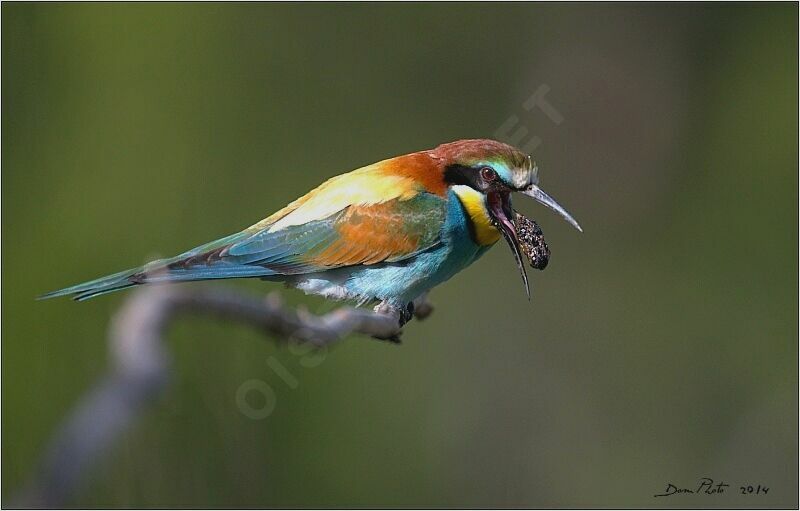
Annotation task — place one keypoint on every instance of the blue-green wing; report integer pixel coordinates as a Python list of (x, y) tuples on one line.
[(358, 234)]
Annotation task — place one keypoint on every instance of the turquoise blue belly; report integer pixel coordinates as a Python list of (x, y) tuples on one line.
[(401, 282)]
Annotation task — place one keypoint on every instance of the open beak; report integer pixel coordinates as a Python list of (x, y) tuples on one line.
[(539, 194), (499, 205), (500, 208)]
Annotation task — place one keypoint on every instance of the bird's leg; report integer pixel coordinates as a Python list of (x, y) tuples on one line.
[(402, 314), (409, 311)]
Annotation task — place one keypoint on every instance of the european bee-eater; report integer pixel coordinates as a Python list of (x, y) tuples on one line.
[(386, 232)]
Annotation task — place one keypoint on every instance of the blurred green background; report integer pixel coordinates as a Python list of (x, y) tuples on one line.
[(660, 346)]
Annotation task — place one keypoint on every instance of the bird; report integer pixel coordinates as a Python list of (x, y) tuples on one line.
[(385, 233)]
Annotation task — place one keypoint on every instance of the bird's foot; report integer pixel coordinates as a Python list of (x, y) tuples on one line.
[(407, 313), (402, 314)]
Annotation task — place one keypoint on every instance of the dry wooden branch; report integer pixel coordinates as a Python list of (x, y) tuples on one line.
[(140, 366)]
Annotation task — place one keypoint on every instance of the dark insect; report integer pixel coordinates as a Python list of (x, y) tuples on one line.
[(531, 241)]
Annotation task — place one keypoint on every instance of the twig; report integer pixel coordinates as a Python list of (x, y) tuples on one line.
[(140, 366)]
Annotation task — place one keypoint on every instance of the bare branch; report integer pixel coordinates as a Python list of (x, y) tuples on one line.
[(140, 366)]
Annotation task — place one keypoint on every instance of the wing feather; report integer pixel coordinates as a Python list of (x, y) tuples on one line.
[(362, 234), (385, 212), (368, 185)]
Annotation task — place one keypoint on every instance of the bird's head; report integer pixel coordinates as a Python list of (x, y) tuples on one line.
[(484, 173)]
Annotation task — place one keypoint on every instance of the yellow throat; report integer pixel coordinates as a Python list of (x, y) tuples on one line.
[(475, 204)]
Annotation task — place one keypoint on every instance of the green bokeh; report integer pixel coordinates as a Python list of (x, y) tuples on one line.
[(660, 345)]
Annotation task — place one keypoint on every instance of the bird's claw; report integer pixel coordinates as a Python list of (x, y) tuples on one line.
[(406, 313), (402, 314)]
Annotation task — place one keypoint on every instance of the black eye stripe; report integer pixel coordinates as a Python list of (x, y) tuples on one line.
[(462, 175)]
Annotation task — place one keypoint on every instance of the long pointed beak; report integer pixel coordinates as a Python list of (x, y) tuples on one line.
[(539, 194)]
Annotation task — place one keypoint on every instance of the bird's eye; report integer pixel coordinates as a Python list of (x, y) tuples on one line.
[(488, 174)]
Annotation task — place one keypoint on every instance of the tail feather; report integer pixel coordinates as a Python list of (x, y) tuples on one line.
[(104, 284), (199, 263), (158, 272), (91, 293)]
